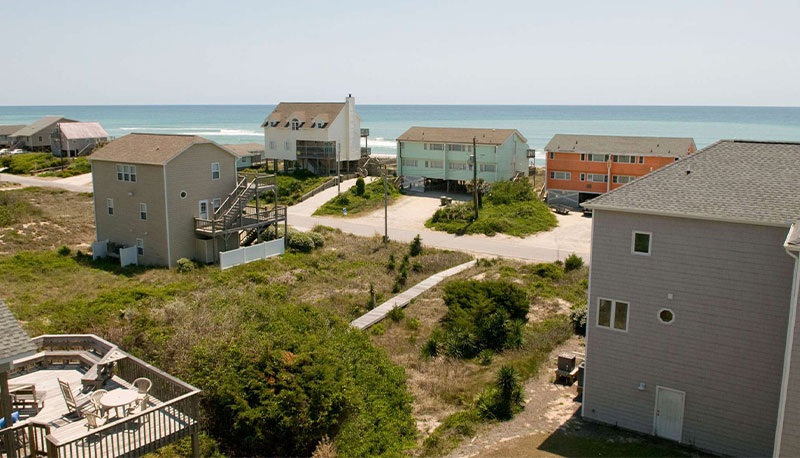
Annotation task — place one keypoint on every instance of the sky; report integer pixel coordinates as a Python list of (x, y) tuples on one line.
[(401, 52)]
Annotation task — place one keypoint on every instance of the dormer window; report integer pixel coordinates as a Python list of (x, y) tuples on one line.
[(295, 124), (322, 125)]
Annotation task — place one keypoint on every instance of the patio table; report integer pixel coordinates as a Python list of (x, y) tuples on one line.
[(118, 398)]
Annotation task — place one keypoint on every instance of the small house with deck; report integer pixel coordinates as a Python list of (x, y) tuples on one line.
[(37, 135), (72, 139), (6, 132)]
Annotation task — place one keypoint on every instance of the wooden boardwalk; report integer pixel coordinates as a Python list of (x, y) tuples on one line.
[(401, 300)]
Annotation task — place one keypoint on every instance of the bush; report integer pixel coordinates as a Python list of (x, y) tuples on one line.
[(360, 186), (300, 241), (416, 246), (396, 314), (378, 330), (63, 250), (317, 238), (184, 265), (431, 348), (503, 399), (413, 324), (482, 315), (390, 265), (578, 318), (485, 357), (547, 270), (417, 266), (506, 192), (573, 262)]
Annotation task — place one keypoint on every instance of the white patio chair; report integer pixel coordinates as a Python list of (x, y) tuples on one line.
[(93, 420), (95, 397)]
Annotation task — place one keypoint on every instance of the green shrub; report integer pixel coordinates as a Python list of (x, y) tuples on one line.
[(413, 324), (390, 265), (372, 299), (431, 348), (378, 329), (63, 250), (485, 357), (417, 266), (26, 162), (360, 185), (416, 246), (482, 315), (317, 238), (396, 287), (300, 241), (396, 314), (506, 192), (573, 262), (578, 318), (13, 208), (503, 399), (184, 265), (547, 270)]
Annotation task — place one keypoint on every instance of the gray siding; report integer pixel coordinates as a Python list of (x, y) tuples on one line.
[(191, 172), (125, 226), (731, 288), (790, 435)]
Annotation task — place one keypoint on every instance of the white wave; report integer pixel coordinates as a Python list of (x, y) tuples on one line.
[(380, 143), (166, 128), (226, 133)]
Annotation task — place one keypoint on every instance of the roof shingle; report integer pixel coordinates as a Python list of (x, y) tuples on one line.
[(753, 182), (39, 124), (14, 341), (76, 130), (8, 130), (304, 112), (154, 149), (245, 149), (610, 144), (458, 135)]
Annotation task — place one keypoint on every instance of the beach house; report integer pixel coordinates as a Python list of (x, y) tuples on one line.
[(248, 154), (444, 154), (37, 135), (582, 167), (692, 330), (72, 139), (159, 198), (6, 132), (315, 136)]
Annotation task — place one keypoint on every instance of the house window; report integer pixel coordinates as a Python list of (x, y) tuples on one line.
[(409, 162), (126, 173), (216, 203), (272, 144), (183, 194), (295, 124), (488, 168), (612, 314), (434, 146), (110, 206), (287, 145), (666, 316), (215, 171), (143, 211), (140, 247), (553, 155), (583, 157), (458, 165), (583, 177), (624, 159), (40, 138), (598, 157), (597, 177), (641, 159), (434, 164), (561, 175), (641, 243), (462, 148), (622, 179)]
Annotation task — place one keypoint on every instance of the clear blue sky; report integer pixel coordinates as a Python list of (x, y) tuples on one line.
[(462, 52)]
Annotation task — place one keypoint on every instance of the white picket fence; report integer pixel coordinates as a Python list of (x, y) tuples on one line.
[(243, 255)]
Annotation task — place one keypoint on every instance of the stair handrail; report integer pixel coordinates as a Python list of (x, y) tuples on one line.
[(223, 208)]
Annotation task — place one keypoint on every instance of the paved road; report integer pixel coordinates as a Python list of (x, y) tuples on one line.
[(79, 183), (406, 220)]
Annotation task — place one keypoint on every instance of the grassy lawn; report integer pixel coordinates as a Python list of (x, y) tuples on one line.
[(24, 163), (44, 218), (293, 186), (371, 199), (78, 166), (509, 208), (445, 388)]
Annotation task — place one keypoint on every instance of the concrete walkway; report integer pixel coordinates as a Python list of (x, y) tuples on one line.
[(78, 183), (401, 300)]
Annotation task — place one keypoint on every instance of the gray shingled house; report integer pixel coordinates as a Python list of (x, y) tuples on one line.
[(692, 302), (36, 136)]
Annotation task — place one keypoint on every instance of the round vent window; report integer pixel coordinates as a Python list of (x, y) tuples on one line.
[(666, 316), (183, 194)]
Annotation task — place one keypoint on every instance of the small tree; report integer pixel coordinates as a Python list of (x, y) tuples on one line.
[(360, 186), (416, 246), (573, 262)]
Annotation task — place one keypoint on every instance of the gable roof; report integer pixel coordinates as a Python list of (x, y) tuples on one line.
[(304, 112), (154, 149), (647, 146), (8, 130), (753, 182), (14, 341), (75, 130), (245, 149), (39, 124), (458, 135)]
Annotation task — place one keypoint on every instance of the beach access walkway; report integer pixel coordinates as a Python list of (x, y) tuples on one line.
[(401, 300), (407, 218)]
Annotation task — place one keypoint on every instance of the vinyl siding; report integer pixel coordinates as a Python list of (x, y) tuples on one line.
[(124, 227), (731, 288), (790, 435), (191, 172)]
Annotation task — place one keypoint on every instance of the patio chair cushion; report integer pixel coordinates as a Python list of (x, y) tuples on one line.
[(14, 419)]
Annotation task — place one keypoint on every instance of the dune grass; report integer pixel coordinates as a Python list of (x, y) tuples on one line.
[(371, 199)]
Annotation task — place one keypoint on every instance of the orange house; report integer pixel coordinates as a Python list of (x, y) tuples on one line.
[(581, 167)]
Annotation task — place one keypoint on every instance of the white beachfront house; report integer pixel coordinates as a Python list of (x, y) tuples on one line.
[(314, 136)]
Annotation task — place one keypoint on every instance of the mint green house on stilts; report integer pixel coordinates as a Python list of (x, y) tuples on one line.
[(442, 155)]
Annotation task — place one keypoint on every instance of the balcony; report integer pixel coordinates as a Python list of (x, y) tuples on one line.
[(365, 132), (169, 413)]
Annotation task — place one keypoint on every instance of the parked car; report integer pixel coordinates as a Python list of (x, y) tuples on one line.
[(5, 151), (17, 151)]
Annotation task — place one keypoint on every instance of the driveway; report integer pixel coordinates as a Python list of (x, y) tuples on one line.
[(78, 183), (407, 218)]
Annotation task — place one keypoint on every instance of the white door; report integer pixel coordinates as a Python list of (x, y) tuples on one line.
[(668, 421), (203, 209)]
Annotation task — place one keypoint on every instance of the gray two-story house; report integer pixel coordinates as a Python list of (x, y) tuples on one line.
[(692, 302)]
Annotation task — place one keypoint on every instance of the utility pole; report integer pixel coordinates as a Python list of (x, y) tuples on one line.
[(475, 175), (385, 207), (338, 172)]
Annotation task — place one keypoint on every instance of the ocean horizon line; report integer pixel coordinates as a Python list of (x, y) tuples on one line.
[(398, 104)]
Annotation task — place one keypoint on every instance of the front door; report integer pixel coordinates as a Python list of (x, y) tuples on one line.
[(203, 209), (669, 413)]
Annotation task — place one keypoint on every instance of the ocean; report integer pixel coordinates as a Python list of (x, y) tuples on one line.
[(241, 123)]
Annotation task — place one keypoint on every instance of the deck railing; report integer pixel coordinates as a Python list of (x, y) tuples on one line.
[(29, 439)]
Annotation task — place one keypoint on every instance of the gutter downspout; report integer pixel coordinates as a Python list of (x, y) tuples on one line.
[(787, 357)]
